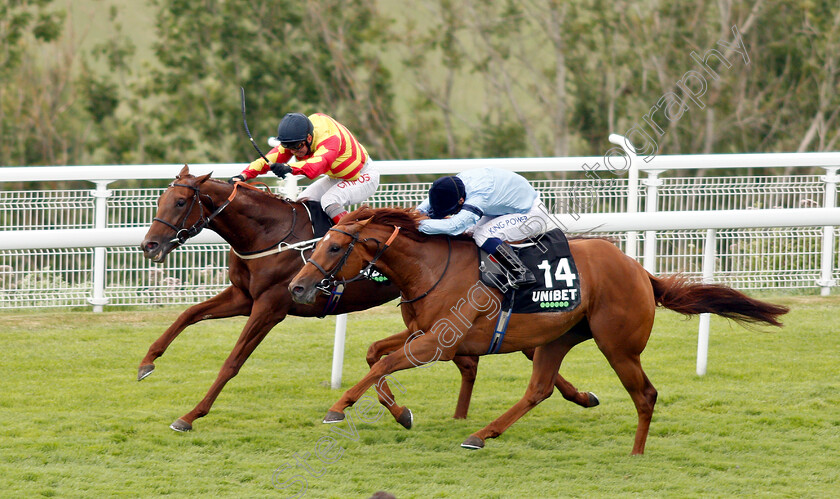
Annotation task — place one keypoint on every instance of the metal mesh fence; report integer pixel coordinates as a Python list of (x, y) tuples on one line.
[(45, 278), (740, 193)]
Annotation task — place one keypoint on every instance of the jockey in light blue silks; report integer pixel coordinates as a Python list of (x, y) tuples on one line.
[(495, 207)]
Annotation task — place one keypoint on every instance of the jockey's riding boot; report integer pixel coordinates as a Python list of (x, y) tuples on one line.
[(518, 274)]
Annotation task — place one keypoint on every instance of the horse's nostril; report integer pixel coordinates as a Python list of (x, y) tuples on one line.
[(150, 246), (297, 290)]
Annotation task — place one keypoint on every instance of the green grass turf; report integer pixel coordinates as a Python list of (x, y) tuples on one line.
[(74, 422)]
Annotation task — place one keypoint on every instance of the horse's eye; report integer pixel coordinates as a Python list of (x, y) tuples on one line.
[(334, 248), (180, 202)]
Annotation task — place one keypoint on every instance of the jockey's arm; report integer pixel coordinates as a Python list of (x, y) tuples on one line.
[(454, 225), (259, 166), (425, 206)]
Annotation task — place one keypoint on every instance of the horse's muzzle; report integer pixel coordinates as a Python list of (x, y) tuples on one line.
[(302, 292), (155, 251)]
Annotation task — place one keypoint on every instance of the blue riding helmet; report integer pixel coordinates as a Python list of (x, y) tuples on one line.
[(444, 196), (293, 129)]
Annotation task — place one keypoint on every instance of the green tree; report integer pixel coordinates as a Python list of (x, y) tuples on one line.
[(25, 136), (287, 56)]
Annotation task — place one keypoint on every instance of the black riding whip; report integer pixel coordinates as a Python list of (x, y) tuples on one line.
[(245, 122)]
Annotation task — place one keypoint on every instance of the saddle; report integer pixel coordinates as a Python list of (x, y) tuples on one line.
[(558, 284)]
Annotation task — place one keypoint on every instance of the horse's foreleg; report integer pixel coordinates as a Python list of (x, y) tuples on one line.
[(547, 360), (375, 352), (468, 365), (232, 301), (425, 347), (265, 315)]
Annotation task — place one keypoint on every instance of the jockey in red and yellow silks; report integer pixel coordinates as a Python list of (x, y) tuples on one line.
[(319, 145), (334, 152)]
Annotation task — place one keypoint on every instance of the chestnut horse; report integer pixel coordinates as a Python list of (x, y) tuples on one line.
[(618, 300), (251, 222)]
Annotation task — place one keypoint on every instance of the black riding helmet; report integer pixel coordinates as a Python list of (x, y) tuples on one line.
[(444, 196), (294, 128)]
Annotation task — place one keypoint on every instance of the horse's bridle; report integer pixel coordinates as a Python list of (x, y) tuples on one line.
[(183, 234), (329, 281)]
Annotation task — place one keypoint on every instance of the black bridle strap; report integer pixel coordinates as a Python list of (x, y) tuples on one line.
[(182, 234), (448, 258), (329, 276), (329, 279)]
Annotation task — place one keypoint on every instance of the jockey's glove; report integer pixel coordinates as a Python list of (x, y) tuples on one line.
[(236, 178), (280, 169)]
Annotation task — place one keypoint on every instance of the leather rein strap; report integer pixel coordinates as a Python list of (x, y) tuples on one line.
[(445, 268)]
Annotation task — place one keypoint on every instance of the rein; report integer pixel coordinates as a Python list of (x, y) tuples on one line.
[(448, 258), (182, 234)]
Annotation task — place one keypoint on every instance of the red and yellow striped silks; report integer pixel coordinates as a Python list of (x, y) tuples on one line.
[(335, 153)]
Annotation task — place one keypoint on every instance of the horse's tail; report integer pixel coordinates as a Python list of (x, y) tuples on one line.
[(678, 294)]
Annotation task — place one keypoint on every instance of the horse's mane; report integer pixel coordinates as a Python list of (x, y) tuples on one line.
[(265, 192), (407, 219)]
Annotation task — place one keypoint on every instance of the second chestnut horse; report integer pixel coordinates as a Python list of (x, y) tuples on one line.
[(618, 301)]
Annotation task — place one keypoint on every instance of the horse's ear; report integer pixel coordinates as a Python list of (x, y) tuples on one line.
[(203, 178), (363, 223), (184, 171)]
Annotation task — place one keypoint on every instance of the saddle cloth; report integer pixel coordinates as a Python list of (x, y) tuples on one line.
[(558, 284)]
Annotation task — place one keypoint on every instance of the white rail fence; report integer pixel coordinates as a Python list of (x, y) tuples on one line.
[(43, 265)]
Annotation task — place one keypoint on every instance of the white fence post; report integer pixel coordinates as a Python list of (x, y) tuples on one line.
[(827, 262), (632, 186), (651, 201), (338, 350), (100, 221), (705, 319)]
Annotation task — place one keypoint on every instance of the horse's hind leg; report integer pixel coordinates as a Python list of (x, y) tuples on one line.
[(231, 301), (468, 366), (628, 367), (568, 390), (547, 359), (622, 348), (579, 333)]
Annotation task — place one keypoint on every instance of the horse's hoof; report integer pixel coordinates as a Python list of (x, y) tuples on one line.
[(406, 418), (593, 400), (333, 417), (473, 443), (181, 425), (144, 371)]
